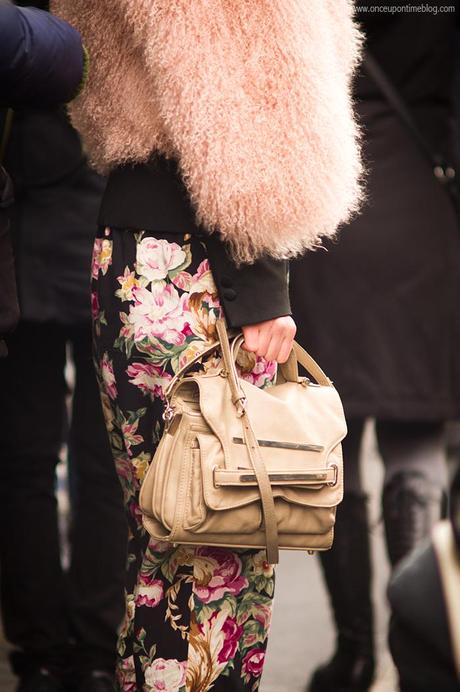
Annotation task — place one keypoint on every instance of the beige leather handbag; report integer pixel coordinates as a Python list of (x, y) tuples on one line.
[(244, 467)]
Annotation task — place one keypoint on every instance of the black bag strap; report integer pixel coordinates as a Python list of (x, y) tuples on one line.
[(443, 172)]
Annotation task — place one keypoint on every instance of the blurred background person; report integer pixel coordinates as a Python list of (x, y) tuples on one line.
[(424, 591), (424, 595), (380, 311), (63, 626), (41, 60)]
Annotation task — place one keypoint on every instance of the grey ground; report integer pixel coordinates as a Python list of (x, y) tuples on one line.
[(302, 634)]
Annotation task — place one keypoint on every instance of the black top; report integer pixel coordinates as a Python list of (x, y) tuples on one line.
[(152, 196)]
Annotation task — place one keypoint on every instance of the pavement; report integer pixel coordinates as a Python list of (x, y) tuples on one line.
[(302, 634)]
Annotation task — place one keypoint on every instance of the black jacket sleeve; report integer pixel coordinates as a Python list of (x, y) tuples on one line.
[(250, 293), (41, 58), (153, 196)]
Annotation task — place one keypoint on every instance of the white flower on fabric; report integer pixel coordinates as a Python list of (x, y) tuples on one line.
[(155, 258), (159, 313), (166, 675)]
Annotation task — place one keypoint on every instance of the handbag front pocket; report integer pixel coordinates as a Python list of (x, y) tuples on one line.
[(201, 518)]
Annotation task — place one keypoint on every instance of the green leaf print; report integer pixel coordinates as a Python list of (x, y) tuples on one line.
[(253, 633), (263, 583), (116, 442), (156, 433)]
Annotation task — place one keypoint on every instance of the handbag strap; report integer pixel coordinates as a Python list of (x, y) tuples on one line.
[(444, 174), (252, 446), (290, 369)]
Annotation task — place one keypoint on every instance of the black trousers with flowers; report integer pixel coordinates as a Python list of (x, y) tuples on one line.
[(196, 618)]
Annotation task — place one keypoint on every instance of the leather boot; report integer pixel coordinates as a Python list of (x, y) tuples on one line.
[(410, 508), (347, 572)]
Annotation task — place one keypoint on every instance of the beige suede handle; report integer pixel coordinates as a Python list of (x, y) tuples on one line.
[(290, 368)]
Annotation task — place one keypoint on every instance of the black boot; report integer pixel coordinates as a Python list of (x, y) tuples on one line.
[(347, 572), (410, 508)]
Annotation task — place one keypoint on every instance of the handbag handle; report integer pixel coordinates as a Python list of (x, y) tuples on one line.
[(290, 369)]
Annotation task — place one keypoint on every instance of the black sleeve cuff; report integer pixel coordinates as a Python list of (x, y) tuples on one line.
[(250, 293)]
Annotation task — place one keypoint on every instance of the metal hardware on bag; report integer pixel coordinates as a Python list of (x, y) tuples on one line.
[(333, 483), (242, 476), (306, 382), (168, 415), (311, 552), (282, 476), (283, 445)]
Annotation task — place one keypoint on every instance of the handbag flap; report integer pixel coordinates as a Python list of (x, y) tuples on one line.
[(299, 427)]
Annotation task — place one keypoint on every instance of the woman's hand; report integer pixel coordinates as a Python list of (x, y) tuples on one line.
[(272, 339)]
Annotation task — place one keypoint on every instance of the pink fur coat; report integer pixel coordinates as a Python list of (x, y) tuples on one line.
[(251, 96)]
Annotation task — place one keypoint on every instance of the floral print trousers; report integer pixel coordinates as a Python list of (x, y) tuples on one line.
[(197, 618)]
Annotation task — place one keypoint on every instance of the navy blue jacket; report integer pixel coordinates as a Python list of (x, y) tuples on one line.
[(41, 58), (41, 64)]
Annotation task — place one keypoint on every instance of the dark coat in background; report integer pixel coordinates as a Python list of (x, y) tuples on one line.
[(41, 57), (54, 218), (380, 309), (41, 61)]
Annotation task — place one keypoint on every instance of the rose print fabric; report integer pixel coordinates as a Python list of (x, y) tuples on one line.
[(197, 618)]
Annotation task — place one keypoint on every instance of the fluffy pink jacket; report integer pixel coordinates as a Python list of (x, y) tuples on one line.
[(252, 97)]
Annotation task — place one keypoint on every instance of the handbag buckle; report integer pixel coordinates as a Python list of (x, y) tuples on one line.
[(241, 404)]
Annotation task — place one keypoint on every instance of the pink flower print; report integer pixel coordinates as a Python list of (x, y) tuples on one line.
[(95, 308), (155, 258), (263, 373), (149, 378), (102, 256), (232, 632), (166, 675), (127, 330), (159, 313), (217, 572), (149, 594), (203, 280), (126, 675), (263, 614), (108, 377), (135, 512), (129, 435), (158, 546), (253, 662), (183, 280)]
